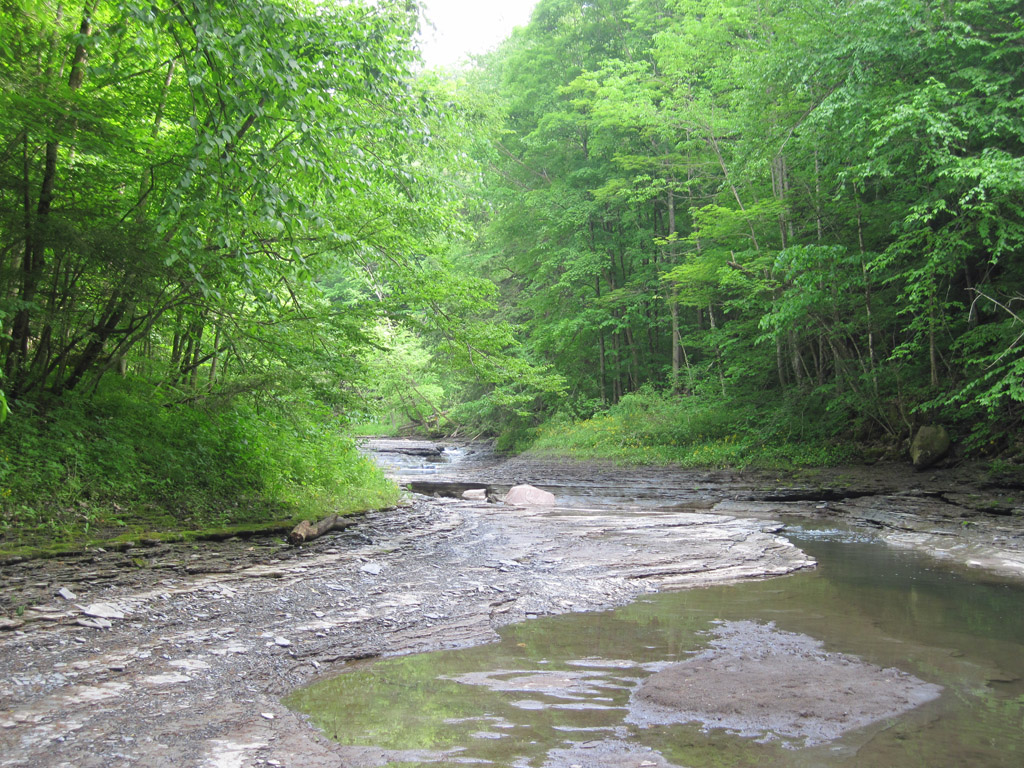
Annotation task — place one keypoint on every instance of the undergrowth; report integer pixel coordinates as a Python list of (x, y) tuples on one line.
[(650, 427), (116, 465)]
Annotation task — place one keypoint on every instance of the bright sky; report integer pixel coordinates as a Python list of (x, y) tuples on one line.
[(465, 27)]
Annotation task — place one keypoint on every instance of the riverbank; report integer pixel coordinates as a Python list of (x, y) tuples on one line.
[(187, 669), (178, 654), (116, 468)]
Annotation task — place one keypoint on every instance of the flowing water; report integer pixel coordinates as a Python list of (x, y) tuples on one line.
[(555, 681)]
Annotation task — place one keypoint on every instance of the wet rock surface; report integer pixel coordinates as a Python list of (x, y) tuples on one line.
[(186, 659), (757, 681), (606, 754), (191, 672)]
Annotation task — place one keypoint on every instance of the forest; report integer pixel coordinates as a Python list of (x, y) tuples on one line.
[(236, 235)]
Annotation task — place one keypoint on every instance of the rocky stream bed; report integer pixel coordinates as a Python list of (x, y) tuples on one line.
[(178, 655)]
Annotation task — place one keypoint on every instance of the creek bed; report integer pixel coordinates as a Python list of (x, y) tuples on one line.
[(568, 690)]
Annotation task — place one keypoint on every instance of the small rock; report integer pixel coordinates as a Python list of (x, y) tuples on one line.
[(168, 679), (282, 642), (475, 494), (373, 569), (267, 715), (103, 611), (94, 623), (8, 624), (190, 665), (67, 594)]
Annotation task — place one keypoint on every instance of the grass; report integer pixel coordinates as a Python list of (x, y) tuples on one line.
[(118, 467), (655, 428)]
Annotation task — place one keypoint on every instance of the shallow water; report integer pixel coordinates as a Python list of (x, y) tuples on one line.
[(556, 681)]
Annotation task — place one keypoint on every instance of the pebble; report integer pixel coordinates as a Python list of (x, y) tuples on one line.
[(283, 642)]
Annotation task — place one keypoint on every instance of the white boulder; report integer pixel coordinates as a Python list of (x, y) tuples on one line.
[(529, 496)]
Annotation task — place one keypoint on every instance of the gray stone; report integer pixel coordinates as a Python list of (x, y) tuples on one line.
[(103, 611), (930, 445), (528, 496), (475, 494)]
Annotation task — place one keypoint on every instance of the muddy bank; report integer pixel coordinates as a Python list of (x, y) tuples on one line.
[(185, 659)]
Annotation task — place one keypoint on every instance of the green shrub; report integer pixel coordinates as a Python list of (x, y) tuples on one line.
[(118, 462), (652, 427)]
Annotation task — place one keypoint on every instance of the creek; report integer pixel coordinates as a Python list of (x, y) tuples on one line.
[(563, 691)]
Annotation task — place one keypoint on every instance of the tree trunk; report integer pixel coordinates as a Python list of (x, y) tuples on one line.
[(148, 180), (674, 299), (34, 258), (867, 304), (676, 340), (602, 362), (718, 352)]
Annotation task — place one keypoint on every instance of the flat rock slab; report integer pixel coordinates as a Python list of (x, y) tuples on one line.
[(760, 682)]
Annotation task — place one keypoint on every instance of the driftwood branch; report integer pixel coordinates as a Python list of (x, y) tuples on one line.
[(307, 531)]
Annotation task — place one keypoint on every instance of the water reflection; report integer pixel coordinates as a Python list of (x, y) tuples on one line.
[(552, 683)]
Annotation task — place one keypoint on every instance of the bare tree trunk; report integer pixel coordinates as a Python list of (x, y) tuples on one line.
[(796, 361), (197, 351), (676, 340), (634, 368), (148, 180), (932, 349), (867, 304), (34, 258), (718, 352), (216, 356), (817, 197), (602, 363), (674, 298)]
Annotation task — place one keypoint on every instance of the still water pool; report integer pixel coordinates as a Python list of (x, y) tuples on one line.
[(554, 682)]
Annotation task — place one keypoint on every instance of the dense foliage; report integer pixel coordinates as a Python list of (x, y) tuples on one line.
[(728, 228), (812, 212), (214, 214)]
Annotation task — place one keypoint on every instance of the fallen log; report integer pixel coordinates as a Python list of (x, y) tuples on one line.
[(307, 531)]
